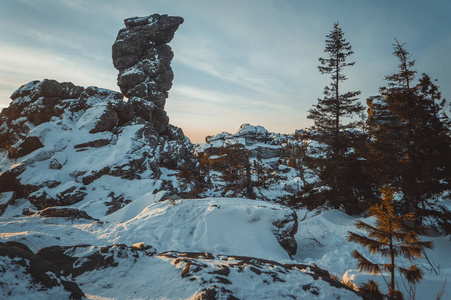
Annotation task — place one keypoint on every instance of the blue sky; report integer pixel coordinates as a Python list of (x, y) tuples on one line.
[(235, 62)]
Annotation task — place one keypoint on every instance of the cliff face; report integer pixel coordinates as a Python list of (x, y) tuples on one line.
[(64, 144)]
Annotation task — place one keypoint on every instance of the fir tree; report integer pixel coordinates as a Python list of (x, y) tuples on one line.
[(329, 112), (330, 127), (390, 238), (411, 142)]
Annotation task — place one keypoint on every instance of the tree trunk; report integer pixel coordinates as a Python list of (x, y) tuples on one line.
[(392, 262)]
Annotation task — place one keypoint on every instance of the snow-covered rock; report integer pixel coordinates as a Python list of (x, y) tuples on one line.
[(22, 274), (65, 145), (63, 161), (256, 139), (232, 226)]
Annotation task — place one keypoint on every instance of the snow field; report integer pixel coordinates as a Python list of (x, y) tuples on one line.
[(322, 240)]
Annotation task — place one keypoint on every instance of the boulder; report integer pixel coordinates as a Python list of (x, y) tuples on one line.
[(63, 212), (93, 95), (108, 119), (33, 272), (29, 145)]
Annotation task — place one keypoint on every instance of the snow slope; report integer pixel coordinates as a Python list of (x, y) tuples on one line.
[(322, 241), (203, 246), (210, 242)]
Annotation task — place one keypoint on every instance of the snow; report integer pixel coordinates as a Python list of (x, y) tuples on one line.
[(90, 118), (222, 226), (322, 239)]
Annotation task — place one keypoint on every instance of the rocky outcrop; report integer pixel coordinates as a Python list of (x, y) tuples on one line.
[(213, 276), (60, 140), (378, 113), (285, 231), (218, 275), (143, 58), (34, 273), (257, 140)]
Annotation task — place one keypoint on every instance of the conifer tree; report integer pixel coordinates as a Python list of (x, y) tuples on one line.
[(236, 171), (411, 142), (188, 179), (391, 237), (205, 168), (330, 126), (329, 112)]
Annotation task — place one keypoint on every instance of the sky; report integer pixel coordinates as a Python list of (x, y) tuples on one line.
[(236, 62)]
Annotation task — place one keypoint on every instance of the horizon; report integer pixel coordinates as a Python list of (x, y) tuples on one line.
[(255, 62)]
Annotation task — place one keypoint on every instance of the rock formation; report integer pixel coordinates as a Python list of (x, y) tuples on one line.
[(32, 274), (378, 113), (257, 140), (143, 58), (63, 144)]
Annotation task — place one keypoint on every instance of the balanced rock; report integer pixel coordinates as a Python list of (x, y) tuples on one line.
[(143, 59)]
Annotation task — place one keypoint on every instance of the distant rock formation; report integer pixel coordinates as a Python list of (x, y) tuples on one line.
[(378, 113), (60, 141), (257, 139)]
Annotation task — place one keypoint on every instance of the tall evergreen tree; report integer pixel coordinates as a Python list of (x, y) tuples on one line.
[(390, 238), (331, 126), (411, 142), (329, 112)]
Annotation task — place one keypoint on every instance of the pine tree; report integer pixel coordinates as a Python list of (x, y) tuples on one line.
[(205, 168), (329, 112), (236, 171), (391, 237), (329, 116), (188, 180), (411, 141)]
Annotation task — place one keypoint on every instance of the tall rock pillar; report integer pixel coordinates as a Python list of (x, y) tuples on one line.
[(143, 58)]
